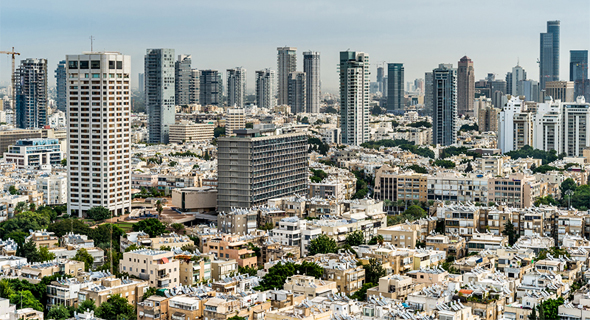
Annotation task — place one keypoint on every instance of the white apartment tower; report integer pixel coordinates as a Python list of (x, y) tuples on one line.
[(265, 82), (287, 63), (160, 93), (236, 87), (236, 119), (576, 119), (354, 97), (98, 101), (311, 67)]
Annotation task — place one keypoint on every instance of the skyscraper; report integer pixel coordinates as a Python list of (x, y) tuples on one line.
[(395, 90), (465, 86), (444, 90), (286, 63), (60, 86), (209, 88), (236, 87), (31, 93), (549, 54), (297, 92), (194, 86), (311, 67), (265, 82), (354, 97), (99, 141), (578, 65), (380, 75), (141, 83), (182, 80), (517, 76), (159, 93), (428, 94)]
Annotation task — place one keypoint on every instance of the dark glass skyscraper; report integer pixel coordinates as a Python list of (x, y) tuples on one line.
[(31, 94), (444, 91), (578, 65), (549, 54), (60, 86), (395, 90)]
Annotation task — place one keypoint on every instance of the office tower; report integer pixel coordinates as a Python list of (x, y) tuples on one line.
[(530, 90), (159, 93), (549, 54), (194, 86), (465, 86), (380, 75), (578, 65), (560, 90), (311, 67), (209, 88), (236, 87), (182, 80), (444, 91), (253, 168), (99, 148), (491, 77), (297, 92), (419, 85), (514, 81), (482, 89), (265, 82), (497, 91), (236, 119), (509, 83), (515, 127), (395, 90), (487, 115), (31, 94), (141, 83), (428, 102), (354, 97), (286, 63), (60, 86)]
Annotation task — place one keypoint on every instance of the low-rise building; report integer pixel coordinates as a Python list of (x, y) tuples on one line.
[(195, 199), (157, 267), (35, 153), (187, 131), (310, 287), (231, 247)]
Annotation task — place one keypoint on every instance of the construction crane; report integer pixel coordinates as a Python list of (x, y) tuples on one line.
[(13, 78)]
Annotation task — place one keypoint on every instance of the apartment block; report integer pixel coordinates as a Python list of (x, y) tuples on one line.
[(186, 131), (158, 268), (236, 119), (517, 190), (35, 153), (231, 247)]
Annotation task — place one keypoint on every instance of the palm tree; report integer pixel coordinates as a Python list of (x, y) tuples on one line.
[(380, 239), (159, 208)]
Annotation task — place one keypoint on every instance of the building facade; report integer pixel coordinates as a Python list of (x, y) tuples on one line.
[(311, 67), (236, 119), (354, 97), (159, 93), (31, 94), (265, 84), (444, 91), (236, 87), (297, 92), (286, 63), (210, 88), (60, 86), (182, 80), (189, 131), (37, 153), (549, 54), (465, 86), (395, 90)]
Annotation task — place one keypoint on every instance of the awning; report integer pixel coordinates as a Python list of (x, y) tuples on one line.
[(165, 260)]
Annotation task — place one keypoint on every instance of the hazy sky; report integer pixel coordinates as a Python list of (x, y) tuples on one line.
[(224, 34)]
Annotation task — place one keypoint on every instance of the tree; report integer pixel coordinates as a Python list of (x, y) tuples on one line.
[(62, 227), (566, 185), (355, 239), (13, 190), (322, 244), (376, 110), (417, 169), (32, 207), (102, 235), (151, 226), (45, 255), (548, 309), (236, 317), (172, 163), (64, 162), (25, 299), (5, 288), (159, 208), (278, 274), (84, 256), (510, 232), (98, 213), (448, 164), (373, 271), (116, 307), (218, 131), (469, 168), (20, 207), (247, 270), (86, 305), (58, 312), (177, 227), (149, 292), (361, 294), (28, 250)]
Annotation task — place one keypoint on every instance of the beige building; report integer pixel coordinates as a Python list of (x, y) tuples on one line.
[(560, 90), (393, 286), (43, 238), (309, 286), (400, 235), (453, 246), (194, 269), (393, 186), (221, 269), (486, 241), (187, 131), (195, 199), (130, 289), (236, 119), (159, 268), (516, 190), (155, 306), (184, 307), (300, 312)]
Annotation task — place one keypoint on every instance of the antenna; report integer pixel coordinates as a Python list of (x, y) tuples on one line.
[(91, 44)]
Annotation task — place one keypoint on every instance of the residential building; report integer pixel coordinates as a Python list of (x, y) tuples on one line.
[(159, 93), (452, 186), (393, 286), (186, 131), (60, 86), (465, 86), (54, 189), (354, 97), (43, 239), (393, 185), (452, 245), (157, 267), (486, 241), (130, 289), (516, 190), (395, 90), (236, 87), (296, 92), (253, 168), (182, 80), (515, 126), (224, 268), (194, 269), (194, 87), (487, 115), (549, 54), (35, 153), (576, 119), (311, 68), (462, 220), (31, 94), (444, 118), (106, 154), (309, 286), (210, 88), (237, 221), (400, 235), (286, 63), (236, 119), (231, 247), (265, 89)]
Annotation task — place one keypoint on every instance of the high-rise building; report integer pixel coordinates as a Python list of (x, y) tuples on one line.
[(297, 92), (159, 93), (236, 119), (183, 73), (31, 94), (395, 90), (354, 97), (428, 95), (549, 54), (265, 82), (465, 86), (514, 126), (236, 87), (60, 86), (209, 88), (380, 75), (141, 83), (576, 119), (530, 90), (286, 63), (578, 65), (253, 168), (194, 85), (419, 85), (514, 81), (444, 98), (99, 147), (560, 90), (311, 67), (487, 115)]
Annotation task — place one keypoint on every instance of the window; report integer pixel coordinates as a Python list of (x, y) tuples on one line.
[(73, 64), (112, 64), (95, 64), (119, 64), (83, 64)]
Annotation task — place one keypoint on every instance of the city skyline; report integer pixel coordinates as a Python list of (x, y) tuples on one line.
[(258, 43)]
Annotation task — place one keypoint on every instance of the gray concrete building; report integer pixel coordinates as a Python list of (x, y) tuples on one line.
[(444, 97), (311, 67), (194, 86), (159, 93), (265, 88), (182, 80), (236, 87), (297, 92), (60, 86), (395, 90), (286, 63), (465, 86), (210, 89), (253, 168)]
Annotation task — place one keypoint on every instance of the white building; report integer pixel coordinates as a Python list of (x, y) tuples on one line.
[(293, 231), (506, 127), (99, 132), (34, 153), (54, 188), (236, 119), (354, 97), (57, 119)]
